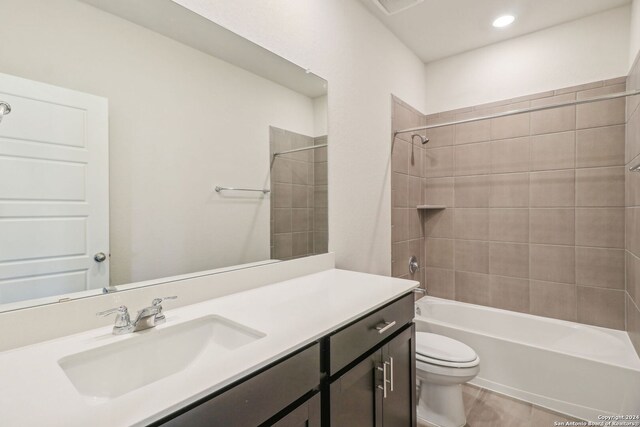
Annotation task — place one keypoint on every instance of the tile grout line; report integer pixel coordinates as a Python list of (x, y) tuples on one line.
[(455, 206), (529, 308), (575, 203)]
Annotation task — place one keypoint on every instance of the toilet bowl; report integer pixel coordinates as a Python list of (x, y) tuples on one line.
[(442, 366)]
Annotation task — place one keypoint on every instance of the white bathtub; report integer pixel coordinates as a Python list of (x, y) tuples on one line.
[(576, 369)]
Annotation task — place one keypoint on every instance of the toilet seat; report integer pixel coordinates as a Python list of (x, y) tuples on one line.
[(445, 364), (443, 351)]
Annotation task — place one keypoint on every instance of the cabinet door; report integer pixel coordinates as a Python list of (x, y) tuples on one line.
[(355, 398), (305, 415), (257, 399), (399, 407)]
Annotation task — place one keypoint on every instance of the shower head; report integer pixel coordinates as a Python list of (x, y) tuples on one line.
[(423, 139)]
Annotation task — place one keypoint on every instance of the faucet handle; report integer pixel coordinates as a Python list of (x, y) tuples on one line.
[(122, 318), (157, 302), (120, 310)]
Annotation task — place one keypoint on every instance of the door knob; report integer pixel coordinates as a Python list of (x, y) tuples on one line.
[(100, 257), (5, 108)]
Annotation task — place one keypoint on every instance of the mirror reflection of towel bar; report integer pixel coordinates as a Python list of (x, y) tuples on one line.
[(295, 150), (635, 168), (220, 189)]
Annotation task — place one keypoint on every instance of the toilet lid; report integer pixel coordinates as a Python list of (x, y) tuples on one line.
[(439, 347), (424, 362)]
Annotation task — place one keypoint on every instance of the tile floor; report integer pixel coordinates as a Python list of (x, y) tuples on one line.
[(485, 408)]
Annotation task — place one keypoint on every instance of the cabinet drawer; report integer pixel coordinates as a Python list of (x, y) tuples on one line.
[(356, 339), (257, 399)]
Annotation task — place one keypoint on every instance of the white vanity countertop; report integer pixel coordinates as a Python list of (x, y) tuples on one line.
[(34, 390)]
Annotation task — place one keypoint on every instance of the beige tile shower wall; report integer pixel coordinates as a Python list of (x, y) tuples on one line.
[(535, 207), (632, 203), (293, 196), (407, 191), (320, 209)]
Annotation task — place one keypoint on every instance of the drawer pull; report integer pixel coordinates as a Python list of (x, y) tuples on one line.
[(384, 327)]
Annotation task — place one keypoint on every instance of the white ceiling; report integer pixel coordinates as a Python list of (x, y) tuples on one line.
[(436, 29)]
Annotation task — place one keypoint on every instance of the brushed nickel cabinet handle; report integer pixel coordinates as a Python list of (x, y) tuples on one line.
[(385, 326), (391, 366), (383, 387)]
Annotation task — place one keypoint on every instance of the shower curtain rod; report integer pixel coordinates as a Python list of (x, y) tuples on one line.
[(522, 111), (311, 147)]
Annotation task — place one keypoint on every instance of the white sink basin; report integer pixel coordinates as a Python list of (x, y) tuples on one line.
[(115, 369)]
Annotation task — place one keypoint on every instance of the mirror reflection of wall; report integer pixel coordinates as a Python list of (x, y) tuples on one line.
[(180, 122)]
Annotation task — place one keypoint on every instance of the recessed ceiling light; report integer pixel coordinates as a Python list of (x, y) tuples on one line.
[(503, 21)]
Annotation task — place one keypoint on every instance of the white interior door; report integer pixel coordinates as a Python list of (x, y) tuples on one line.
[(54, 191)]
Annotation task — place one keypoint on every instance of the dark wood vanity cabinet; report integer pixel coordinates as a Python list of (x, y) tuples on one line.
[(259, 399), (399, 408), (307, 414), (360, 375), (358, 398), (377, 390)]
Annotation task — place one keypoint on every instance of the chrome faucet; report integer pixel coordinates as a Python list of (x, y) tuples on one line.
[(146, 318)]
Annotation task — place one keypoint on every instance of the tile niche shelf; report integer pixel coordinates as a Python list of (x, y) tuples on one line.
[(430, 207)]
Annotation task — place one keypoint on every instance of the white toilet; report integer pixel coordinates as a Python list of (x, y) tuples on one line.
[(442, 366)]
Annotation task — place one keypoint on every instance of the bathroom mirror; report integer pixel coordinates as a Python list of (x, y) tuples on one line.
[(145, 142)]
